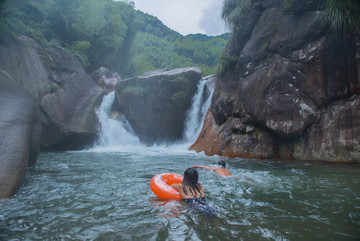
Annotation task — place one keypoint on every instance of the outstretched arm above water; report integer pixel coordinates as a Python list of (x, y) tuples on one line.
[(205, 167), (221, 171)]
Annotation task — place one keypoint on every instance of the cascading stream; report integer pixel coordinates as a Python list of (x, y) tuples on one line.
[(199, 107), (116, 135)]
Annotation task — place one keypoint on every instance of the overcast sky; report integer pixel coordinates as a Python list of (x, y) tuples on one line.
[(186, 16)]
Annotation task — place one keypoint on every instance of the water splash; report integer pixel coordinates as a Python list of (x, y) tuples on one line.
[(114, 134)]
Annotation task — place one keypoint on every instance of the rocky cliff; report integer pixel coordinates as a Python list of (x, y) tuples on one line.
[(47, 101), (293, 92)]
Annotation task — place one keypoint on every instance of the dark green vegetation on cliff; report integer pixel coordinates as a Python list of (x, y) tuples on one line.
[(340, 16), (109, 34)]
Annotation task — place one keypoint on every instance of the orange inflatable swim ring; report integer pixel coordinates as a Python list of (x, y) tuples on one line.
[(160, 185)]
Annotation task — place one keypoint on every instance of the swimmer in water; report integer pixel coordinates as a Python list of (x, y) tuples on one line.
[(192, 192), (221, 171)]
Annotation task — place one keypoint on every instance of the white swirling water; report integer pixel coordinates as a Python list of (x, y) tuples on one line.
[(103, 194), (118, 135)]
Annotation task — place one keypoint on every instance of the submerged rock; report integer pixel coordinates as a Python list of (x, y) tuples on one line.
[(155, 104)]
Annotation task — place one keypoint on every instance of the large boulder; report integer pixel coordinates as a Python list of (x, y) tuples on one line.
[(67, 95), (106, 79), (47, 101), (155, 104), (19, 136), (70, 120), (30, 65), (288, 74), (233, 139)]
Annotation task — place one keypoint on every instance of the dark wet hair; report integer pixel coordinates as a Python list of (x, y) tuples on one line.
[(190, 182), (221, 163)]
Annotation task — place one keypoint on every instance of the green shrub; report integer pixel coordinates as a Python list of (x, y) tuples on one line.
[(297, 5), (343, 16), (226, 63), (135, 90), (81, 46)]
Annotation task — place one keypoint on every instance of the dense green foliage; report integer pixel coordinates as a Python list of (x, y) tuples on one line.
[(100, 33), (157, 46), (108, 33)]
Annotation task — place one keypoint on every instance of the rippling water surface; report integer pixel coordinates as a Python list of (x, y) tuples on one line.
[(106, 196)]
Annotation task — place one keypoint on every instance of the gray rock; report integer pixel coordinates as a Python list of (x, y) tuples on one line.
[(289, 74), (19, 135), (155, 104), (335, 137), (71, 122), (47, 101), (106, 79)]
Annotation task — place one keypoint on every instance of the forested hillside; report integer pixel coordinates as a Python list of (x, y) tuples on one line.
[(157, 46), (110, 34)]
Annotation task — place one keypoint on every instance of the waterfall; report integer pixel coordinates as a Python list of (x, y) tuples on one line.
[(114, 133), (200, 104), (118, 135)]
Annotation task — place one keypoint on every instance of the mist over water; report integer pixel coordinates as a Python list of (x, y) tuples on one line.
[(103, 193)]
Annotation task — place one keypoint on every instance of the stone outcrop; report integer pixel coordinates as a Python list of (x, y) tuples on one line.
[(334, 137), (70, 120), (47, 102), (20, 134), (292, 94), (105, 79), (155, 104)]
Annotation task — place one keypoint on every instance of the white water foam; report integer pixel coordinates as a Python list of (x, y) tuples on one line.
[(196, 114), (115, 135), (118, 136)]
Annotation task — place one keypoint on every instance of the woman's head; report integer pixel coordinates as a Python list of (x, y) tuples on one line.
[(221, 163), (190, 181), (191, 175)]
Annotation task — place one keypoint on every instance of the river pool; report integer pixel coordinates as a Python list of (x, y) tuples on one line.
[(105, 195)]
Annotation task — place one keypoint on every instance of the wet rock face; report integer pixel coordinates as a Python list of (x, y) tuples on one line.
[(155, 104), (47, 101), (66, 94), (336, 136), (19, 136), (233, 139), (71, 122), (288, 73)]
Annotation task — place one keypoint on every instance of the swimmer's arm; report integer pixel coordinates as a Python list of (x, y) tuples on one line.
[(205, 167)]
